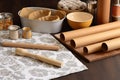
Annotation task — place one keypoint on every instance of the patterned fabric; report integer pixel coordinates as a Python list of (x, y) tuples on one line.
[(14, 67)]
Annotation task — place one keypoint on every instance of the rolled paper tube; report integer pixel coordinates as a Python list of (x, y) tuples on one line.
[(111, 44), (30, 45), (66, 36), (94, 38), (24, 52), (92, 48), (103, 11)]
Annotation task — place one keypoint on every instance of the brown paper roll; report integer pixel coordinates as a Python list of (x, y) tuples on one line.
[(111, 44), (103, 11), (30, 45), (24, 52), (66, 36), (92, 48), (94, 38)]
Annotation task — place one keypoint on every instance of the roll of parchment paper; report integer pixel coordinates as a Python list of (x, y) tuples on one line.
[(66, 36), (92, 48), (111, 44), (94, 38)]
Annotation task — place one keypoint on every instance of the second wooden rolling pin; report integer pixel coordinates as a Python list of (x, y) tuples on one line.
[(24, 52), (29, 45)]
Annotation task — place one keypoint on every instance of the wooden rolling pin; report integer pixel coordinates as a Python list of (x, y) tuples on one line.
[(30, 45), (24, 52)]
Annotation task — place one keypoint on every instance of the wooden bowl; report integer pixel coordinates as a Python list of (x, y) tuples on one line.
[(79, 20)]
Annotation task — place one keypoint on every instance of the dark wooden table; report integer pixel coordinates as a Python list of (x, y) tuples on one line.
[(107, 69)]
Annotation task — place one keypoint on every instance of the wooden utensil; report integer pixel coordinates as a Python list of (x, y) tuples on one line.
[(30, 45), (24, 52)]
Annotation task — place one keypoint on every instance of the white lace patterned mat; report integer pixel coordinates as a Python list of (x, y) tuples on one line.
[(14, 67)]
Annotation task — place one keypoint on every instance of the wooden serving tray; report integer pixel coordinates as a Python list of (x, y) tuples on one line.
[(89, 57)]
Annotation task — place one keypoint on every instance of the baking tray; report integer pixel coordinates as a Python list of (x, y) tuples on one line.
[(88, 57)]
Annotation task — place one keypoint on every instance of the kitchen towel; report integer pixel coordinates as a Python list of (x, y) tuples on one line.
[(14, 67)]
